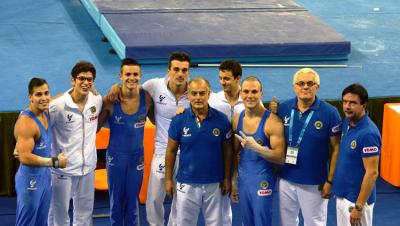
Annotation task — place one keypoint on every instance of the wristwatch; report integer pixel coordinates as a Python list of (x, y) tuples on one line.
[(359, 208)]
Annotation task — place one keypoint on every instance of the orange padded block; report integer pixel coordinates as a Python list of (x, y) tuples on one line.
[(390, 153), (102, 138), (149, 134), (100, 179)]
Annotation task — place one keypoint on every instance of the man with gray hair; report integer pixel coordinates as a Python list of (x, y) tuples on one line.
[(311, 126), (203, 135)]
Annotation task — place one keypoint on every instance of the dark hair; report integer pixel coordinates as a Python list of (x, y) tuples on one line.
[(252, 79), (179, 56), (83, 66), (129, 62), (35, 82), (357, 89), (232, 66)]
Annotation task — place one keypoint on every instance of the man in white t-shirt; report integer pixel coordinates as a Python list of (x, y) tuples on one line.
[(228, 102), (169, 94), (74, 117)]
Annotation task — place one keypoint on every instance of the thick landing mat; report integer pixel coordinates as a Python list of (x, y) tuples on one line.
[(211, 31)]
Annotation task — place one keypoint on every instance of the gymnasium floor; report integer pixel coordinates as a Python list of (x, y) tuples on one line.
[(46, 38)]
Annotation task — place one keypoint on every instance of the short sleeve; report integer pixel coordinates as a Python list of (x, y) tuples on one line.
[(149, 86), (227, 128), (335, 122), (371, 145), (173, 131)]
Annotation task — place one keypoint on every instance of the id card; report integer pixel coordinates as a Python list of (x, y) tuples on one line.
[(291, 155)]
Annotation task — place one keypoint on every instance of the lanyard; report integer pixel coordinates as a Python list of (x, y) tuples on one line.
[(302, 130)]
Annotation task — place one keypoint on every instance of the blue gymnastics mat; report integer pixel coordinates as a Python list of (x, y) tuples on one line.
[(210, 31)]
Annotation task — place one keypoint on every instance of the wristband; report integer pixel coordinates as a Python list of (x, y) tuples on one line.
[(328, 181)]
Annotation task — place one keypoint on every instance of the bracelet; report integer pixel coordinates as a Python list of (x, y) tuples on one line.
[(328, 181)]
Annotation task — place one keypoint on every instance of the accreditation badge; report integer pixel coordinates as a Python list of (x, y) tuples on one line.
[(291, 155)]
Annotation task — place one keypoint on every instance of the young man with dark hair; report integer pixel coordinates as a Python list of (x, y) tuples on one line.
[(169, 94), (229, 102), (34, 139), (75, 115), (358, 162), (125, 153)]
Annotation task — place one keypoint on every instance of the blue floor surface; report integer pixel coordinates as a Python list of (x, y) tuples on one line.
[(385, 211)]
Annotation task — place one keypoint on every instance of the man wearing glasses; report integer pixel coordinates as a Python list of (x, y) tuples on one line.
[(311, 125), (75, 116)]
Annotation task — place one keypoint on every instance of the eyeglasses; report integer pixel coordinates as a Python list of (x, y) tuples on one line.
[(308, 83), (82, 79)]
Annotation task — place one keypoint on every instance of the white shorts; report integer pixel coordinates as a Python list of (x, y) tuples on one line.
[(293, 197), (78, 188), (343, 214), (193, 197)]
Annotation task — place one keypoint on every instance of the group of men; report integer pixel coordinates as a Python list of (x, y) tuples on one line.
[(222, 147)]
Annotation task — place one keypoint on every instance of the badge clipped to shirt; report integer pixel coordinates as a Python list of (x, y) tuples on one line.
[(291, 155)]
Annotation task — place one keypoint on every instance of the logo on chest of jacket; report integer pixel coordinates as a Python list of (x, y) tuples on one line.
[(117, 120), (69, 118), (161, 99), (42, 145), (318, 125), (353, 144), (216, 132), (186, 132), (286, 121), (93, 109)]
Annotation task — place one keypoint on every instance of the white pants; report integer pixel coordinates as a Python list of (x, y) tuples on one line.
[(156, 193), (293, 197), (193, 197), (226, 211), (343, 214), (78, 188)]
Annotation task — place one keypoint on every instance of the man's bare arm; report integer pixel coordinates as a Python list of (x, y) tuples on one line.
[(106, 110), (326, 189), (170, 157), (227, 149), (150, 108), (371, 174), (235, 160), (25, 132), (273, 129)]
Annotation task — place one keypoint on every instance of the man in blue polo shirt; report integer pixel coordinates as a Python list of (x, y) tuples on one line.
[(203, 135), (311, 125), (357, 167)]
